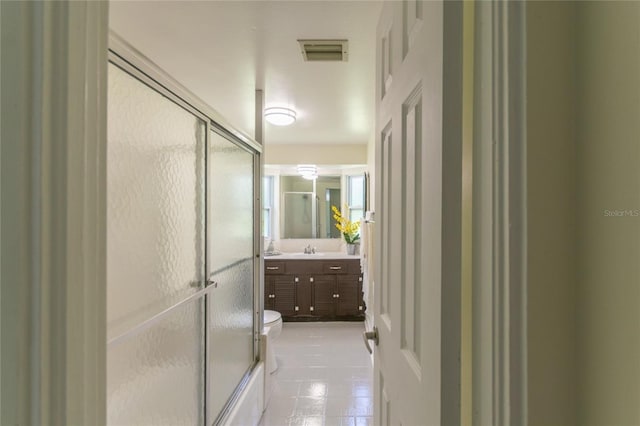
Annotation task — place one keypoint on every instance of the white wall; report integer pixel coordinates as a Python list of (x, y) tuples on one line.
[(551, 213), (466, 289), (315, 154), (583, 102), (608, 153)]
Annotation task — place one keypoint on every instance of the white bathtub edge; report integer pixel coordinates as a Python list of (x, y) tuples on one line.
[(250, 405)]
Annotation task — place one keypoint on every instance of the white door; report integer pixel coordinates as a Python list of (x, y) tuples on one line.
[(409, 194)]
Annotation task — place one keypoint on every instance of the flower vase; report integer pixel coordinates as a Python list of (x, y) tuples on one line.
[(351, 249)]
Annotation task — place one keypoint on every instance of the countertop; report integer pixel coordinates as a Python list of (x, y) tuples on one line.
[(316, 256)]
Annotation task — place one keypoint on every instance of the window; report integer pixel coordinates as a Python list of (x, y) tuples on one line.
[(355, 197), (267, 206)]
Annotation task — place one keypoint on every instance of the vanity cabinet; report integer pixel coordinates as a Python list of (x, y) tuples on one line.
[(315, 290)]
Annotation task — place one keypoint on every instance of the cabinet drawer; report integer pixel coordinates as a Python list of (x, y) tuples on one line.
[(304, 267), (341, 267), (272, 267)]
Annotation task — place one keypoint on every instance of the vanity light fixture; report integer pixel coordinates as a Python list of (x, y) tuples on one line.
[(280, 116), (308, 171)]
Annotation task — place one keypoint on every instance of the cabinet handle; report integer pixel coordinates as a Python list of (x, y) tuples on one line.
[(311, 279), (272, 268), (337, 296), (296, 279), (297, 309), (311, 308), (359, 308), (335, 268), (360, 279)]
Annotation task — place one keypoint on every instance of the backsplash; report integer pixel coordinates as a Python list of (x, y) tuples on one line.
[(298, 245)]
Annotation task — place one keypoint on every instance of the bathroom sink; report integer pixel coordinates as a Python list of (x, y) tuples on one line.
[(323, 255), (272, 253)]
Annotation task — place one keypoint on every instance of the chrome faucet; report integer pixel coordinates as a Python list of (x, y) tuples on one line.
[(309, 250)]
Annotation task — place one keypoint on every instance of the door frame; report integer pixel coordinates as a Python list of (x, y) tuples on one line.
[(53, 294), (28, 207), (499, 246)]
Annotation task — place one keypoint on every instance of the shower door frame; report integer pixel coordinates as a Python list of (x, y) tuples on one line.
[(131, 61), (221, 417)]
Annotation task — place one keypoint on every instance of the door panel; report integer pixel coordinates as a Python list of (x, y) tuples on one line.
[(410, 325), (145, 372), (383, 186), (155, 253), (230, 264), (409, 210), (155, 208)]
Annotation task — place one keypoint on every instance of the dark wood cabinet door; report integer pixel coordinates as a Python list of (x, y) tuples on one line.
[(324, 291), (347, 290), (268, 292), (304, 296), (284, 291), (361, 306)]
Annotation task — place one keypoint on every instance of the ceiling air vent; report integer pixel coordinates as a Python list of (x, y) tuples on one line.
[(324, 50)]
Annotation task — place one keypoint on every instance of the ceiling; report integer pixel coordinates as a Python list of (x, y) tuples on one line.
[(224, 50)]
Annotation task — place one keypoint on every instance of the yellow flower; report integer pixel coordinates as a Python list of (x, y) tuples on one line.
[(348, 229)]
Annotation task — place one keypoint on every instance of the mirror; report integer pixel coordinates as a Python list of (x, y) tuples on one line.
[(306, 206), (297, 208)]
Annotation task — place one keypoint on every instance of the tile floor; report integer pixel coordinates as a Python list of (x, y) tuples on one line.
[(324, 377)]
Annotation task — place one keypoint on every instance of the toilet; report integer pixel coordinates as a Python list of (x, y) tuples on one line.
[(272, 328)]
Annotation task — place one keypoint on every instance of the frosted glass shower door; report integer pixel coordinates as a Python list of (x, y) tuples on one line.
[(230, 265), (298, 211), (155, 257)]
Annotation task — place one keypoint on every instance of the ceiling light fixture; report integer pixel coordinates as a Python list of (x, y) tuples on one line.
[(308, 171), (280, 116)]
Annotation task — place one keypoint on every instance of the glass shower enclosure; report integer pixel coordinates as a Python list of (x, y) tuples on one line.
[(301, 211), (182, 275)]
